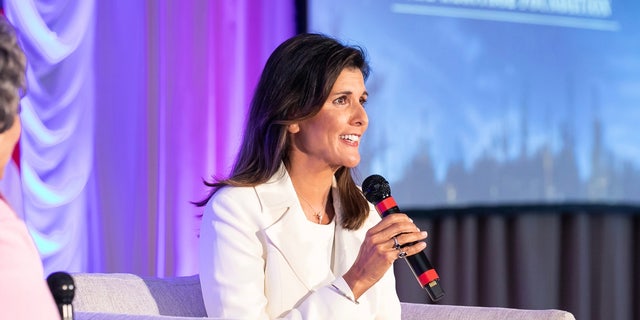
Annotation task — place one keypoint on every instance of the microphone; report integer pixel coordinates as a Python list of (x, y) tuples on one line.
[(63, 289), (377, 191)]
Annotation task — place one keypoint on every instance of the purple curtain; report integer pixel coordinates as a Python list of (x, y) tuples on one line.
[(165, 86), (174, 80)]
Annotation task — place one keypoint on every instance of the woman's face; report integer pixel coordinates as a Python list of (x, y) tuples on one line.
[(8, 141), (333, 135)]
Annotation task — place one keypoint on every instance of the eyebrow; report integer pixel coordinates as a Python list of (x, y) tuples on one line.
[(347, 92)]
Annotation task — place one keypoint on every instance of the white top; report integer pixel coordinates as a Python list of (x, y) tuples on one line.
[(320, 250)]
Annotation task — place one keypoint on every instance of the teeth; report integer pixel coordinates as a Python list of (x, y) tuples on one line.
[(350, 137)]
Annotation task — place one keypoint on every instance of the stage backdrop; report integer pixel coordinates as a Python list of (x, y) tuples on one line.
[(130, 105), (498, 101), (478, 106)]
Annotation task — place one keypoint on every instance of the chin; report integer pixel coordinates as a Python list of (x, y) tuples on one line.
[(352, 163)]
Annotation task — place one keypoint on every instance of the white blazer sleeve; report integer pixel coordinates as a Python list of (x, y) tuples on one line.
[(231, 260)]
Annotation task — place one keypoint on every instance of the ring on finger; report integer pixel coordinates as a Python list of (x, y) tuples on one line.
[(402, 254), (396, 245)]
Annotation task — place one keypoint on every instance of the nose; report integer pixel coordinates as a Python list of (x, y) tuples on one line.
[(360, 117)]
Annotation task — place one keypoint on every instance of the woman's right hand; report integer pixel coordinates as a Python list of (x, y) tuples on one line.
[(378, 251)]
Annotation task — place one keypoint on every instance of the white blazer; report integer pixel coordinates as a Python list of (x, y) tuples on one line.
[(253, 265)]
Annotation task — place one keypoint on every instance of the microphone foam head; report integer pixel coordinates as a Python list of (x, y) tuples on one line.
[(62, 287), (375, 188)]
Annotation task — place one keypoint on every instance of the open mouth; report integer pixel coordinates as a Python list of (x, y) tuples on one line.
[(350, 137)]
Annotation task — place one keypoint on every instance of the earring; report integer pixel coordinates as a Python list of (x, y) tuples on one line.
[(293, 128)]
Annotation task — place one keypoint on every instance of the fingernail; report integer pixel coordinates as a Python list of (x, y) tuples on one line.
[(424, 233)]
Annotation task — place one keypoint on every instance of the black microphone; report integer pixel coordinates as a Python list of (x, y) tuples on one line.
[(63, 290), (377, 191)]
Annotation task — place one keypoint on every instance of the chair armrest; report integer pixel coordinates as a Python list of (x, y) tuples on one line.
[(415, 311)]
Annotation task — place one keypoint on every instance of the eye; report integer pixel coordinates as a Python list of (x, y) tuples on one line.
[(342, 100), (363, 101)]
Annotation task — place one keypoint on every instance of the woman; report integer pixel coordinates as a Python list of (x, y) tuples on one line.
[(289, 234)]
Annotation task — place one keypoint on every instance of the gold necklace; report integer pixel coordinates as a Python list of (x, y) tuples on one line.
[(318, 213)]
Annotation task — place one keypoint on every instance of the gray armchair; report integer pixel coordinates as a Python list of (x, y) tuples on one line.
[(123, 296)]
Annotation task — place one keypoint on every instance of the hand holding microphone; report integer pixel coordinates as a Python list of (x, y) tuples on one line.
[(377, 191), (378, 251)]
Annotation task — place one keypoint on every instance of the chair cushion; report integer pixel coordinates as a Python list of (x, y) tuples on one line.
[(125, 293), (123, 296), (414, 311), (178, 296)]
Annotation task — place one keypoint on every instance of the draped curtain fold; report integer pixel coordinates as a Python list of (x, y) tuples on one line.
[(57, 120), (131, 105)]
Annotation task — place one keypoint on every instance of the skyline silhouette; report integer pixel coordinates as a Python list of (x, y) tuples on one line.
[(536, 174)]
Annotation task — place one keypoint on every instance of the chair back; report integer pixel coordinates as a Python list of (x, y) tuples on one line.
[(126, 293)]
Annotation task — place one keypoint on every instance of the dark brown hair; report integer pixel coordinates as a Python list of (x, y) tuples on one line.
[(296, 81), (12, 74)]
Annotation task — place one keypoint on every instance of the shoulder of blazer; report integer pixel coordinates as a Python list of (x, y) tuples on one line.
[(276, 195)]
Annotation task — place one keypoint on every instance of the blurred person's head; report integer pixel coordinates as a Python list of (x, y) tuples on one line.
[(12, 84)]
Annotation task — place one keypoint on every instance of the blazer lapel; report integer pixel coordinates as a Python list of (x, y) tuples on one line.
[(282, 209), (280, 205), (346, 242)]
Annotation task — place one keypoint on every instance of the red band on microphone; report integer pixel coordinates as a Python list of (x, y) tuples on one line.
[(428, 276), (386, 204)]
